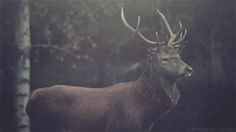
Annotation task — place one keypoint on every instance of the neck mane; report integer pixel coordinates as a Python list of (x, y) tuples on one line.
[(152, 87)]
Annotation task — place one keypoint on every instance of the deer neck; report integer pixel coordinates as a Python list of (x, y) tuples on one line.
[(154, 88)]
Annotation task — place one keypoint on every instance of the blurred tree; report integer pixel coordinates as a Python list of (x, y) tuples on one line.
[(22, 40)]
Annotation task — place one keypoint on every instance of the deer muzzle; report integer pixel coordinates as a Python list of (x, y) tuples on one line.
[(187, 71)]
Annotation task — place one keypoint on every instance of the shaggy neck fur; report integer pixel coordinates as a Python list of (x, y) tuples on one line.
[(152, 87)]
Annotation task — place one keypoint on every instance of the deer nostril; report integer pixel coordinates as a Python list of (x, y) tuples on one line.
[(189, 69)]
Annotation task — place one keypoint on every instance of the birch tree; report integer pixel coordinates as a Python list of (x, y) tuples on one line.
[(22, 91)]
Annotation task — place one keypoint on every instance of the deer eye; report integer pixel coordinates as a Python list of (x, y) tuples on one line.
[(164, 59)]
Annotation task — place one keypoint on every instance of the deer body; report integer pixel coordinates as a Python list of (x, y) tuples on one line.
[(77, 108), (124, 106), (118, 107)]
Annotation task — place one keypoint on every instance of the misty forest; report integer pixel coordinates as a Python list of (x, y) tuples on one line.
[(87, 43)]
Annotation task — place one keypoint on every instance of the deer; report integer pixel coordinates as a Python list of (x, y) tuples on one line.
[(126, 106)]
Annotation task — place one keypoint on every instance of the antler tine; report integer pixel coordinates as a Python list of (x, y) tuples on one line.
[(173, 36), (125, 22), (147, 40), (165, 21), (137, 30), (181, 35), (158, 39), (180, 28), (181, 38), (138, 23), (140, 34), (157, 36), (180, 25), (184, 35)]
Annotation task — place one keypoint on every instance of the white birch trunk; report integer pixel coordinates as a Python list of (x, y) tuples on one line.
[(22, 90)]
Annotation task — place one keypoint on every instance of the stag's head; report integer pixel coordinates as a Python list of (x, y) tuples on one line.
[(165, 55)]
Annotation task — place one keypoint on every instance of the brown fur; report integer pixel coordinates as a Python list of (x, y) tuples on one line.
[(75, 108), (121, 107)]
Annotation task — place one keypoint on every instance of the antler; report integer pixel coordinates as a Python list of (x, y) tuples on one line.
[(172, 41), (137, 29)]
